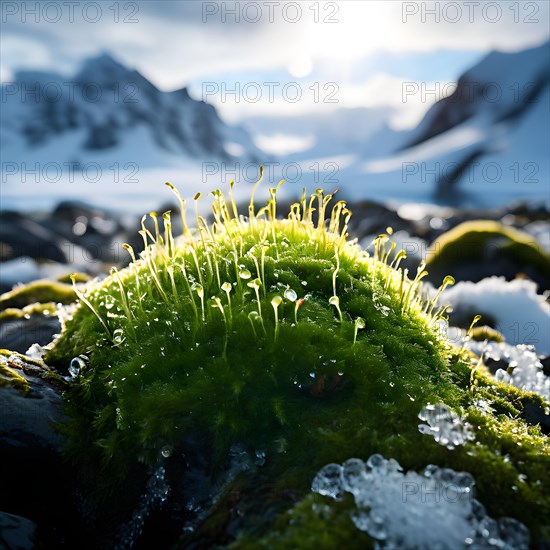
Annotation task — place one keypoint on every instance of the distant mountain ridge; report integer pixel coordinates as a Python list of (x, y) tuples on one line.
[(486, 143), (502, 86), (103, 105)]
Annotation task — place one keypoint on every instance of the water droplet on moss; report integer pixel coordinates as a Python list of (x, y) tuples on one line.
[(290, 295), (77, 365), (226, 287), (118, 336), (353, 474), (245, 274)]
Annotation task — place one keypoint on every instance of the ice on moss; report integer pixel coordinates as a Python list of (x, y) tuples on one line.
[(434, 509), (526, 371), (446, 427)]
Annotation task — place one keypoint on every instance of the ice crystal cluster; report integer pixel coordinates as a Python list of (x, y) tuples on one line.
[(446, 427), (524, 367), (435, 509)]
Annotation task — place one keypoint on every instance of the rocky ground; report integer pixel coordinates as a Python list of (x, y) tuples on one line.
[(78, 237)]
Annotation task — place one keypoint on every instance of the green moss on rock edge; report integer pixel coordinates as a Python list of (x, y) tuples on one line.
[(283, 337)]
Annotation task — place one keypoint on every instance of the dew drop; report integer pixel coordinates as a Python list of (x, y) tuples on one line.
[(260, 458), (77, 365), (245, 274), (118, 336), (290, 295), (376, 463), (226, 287)]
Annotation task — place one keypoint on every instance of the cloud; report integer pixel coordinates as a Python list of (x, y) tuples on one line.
[(176, 41)]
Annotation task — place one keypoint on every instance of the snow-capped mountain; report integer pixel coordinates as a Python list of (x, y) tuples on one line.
[(106, 108), (501, 87), (486, 143)]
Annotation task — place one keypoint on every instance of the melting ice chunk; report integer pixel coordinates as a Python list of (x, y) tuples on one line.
[(329, 482), (435, 509), (527, 372), (446, 427)]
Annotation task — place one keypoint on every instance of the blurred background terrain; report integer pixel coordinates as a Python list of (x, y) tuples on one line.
[(424, 115)]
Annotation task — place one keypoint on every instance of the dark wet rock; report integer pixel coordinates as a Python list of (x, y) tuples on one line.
[(20, 334), (39, 485), (22, 235), (75, 234), (370, 217), (493, 365), (27, 418), (16, 532), (461, 316), (90, 228), (534, 414)]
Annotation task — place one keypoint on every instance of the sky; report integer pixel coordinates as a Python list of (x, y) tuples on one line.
[(278, 58)]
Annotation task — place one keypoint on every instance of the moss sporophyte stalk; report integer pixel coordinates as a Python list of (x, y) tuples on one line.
[(281, 335)]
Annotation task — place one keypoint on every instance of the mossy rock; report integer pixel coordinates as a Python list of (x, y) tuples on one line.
[(283, 338), (37, 308), (16, 367), (10, 377), (41, 291), (476, 249), (480, 334)]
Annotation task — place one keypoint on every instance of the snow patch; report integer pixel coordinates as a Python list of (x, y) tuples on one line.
[(520, 314)]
